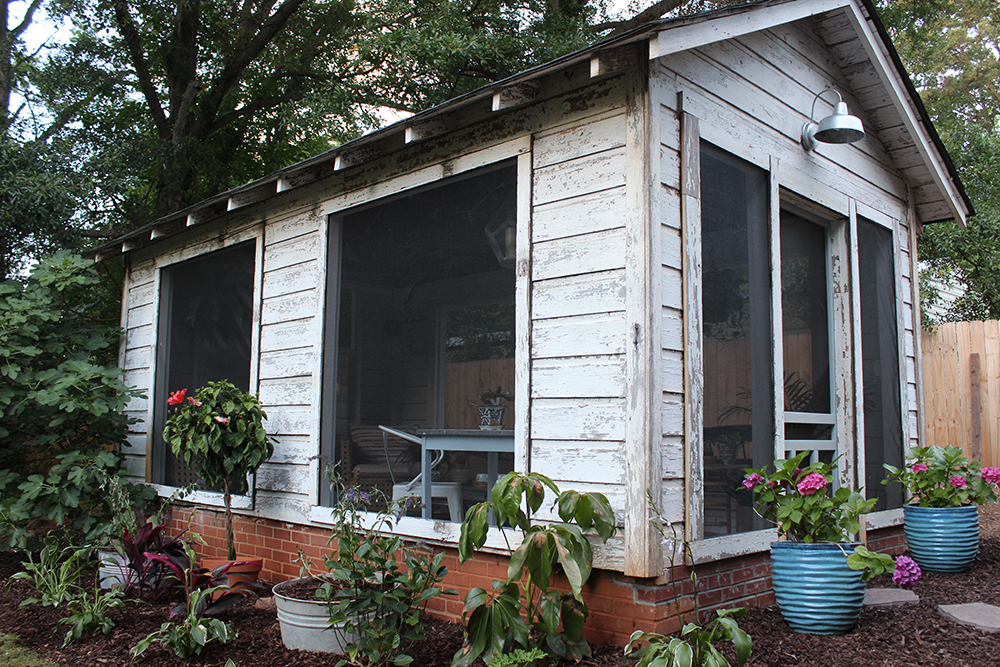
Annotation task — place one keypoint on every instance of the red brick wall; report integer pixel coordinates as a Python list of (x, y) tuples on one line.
[(618, 604)]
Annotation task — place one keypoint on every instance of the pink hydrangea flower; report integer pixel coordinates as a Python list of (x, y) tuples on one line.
[(991, 475), (222, 420), (957, 481), (811, 483), (907, 572), (752, 480), (919, 467)]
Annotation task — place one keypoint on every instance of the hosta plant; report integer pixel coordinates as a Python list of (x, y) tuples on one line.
[(524, 611)]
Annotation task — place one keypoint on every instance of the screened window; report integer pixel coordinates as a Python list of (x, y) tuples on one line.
[(805, 338), (421, 304), (737, 340), (880, 362), (205, 329)]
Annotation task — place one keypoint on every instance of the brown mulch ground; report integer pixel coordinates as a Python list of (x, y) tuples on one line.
[(912, 635)]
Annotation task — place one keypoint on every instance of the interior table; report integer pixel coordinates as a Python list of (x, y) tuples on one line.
[(461, 440)]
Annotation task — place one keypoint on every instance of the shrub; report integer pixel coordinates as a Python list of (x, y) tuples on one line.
[(61, 402), (522, 612)]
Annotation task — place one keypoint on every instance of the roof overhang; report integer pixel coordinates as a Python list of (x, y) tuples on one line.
[(664, 36)]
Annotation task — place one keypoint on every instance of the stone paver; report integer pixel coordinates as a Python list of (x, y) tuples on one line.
[(882, 597), (977, 614)]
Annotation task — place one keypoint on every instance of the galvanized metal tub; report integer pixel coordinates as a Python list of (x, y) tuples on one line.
[(305, 623)]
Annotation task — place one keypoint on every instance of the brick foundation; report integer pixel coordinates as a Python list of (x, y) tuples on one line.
[(618, 604)]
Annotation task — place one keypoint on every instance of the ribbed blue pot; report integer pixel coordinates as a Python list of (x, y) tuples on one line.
[(942, 539), (817, 592)]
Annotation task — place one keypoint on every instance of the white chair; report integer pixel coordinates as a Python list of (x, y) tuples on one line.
[(450, 491)]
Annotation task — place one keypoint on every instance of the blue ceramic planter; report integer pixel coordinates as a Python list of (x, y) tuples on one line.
[(817, 592), (942, 539)]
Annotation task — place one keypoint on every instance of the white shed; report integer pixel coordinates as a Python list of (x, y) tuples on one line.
[(632, 239)]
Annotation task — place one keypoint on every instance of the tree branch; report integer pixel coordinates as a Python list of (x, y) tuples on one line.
[(650, 14), (134, 45)]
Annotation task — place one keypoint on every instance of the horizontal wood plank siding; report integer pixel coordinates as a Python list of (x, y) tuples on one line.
[(578, 331)]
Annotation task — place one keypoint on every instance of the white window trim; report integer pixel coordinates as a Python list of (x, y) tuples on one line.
[(842, 212), (446, 532), (218, 239)]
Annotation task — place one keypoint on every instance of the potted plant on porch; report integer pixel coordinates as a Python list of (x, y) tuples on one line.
[(818, 572), (219, 433), (942, 520), (491, 406)]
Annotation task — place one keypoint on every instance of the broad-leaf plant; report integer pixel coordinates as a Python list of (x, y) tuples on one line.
[(524, 610)]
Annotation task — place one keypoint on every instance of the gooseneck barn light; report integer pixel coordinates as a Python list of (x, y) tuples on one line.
[(840, 127)]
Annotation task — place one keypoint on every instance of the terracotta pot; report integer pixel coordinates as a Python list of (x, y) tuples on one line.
[(240, 575)]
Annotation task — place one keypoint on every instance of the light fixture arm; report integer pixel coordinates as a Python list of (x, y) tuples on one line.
[(840, 127)]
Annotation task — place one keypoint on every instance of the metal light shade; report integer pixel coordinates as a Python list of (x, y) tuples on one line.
[(840, 127)]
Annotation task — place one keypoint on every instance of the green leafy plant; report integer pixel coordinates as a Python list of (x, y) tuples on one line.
[(517, 658), (799, 500), (944, 477), (522, 611), (219, 433), (192, 634), (90, 613), (197, 628), (59, 389), (376, 584), (69, 494), (56, 575), (695, 645)]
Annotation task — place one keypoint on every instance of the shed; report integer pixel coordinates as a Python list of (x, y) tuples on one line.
[(632, 239)]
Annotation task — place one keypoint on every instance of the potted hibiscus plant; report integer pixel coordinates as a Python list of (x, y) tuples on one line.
[(942, 520), (818, 571), (219, 433)]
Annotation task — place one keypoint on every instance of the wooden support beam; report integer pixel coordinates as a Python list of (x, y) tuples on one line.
[(431, 127), (976, 406), (205, 213), (355, 157), (252, 196), (614, 60), (516, 95), (169, 227)]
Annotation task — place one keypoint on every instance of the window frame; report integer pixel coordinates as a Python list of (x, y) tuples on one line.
[(839, 213), (156, 456), (520, 151)]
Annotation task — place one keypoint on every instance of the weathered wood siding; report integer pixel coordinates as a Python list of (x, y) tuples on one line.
[(577, 284), (578, 331), (751, 96)]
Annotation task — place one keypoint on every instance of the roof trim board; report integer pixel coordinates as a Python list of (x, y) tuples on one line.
[(664, 36)]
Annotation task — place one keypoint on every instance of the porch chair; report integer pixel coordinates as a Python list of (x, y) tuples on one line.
[(451, 491)]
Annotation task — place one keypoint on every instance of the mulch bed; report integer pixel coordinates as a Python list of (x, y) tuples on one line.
[(911, 635)]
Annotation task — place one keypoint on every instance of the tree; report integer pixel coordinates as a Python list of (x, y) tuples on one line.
[(36, 190), (952, 50), (186, 99)]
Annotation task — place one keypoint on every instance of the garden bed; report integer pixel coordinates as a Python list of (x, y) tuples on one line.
[(884, 637)]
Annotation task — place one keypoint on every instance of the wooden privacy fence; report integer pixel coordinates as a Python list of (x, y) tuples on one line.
[(962, 388)]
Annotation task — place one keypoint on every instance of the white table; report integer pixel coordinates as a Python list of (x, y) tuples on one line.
[(461, 440)]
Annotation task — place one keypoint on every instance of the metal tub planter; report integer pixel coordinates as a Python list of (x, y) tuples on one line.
[(305, 623)]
